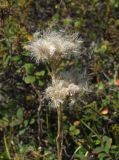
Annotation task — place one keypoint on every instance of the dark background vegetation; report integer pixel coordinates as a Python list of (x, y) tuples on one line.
[(91, 128)]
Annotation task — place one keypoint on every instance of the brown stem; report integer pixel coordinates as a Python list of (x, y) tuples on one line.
[(39, 124), (39, 113), (59, 139)]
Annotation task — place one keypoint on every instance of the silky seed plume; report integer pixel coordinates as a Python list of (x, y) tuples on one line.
[(53, 45), (60, 90)]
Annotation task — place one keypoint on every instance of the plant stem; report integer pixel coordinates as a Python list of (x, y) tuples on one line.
[(39, 124), (39, 113), (75, 152), (6, 147), (59, 139), (90, 128)]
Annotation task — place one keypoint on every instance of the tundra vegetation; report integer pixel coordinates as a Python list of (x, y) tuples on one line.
[(59, 80)]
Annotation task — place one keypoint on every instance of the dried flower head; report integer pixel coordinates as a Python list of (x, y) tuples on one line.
[(53, 45), (60, 90)]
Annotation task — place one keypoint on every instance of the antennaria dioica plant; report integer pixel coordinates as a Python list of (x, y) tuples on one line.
[(51, 48)]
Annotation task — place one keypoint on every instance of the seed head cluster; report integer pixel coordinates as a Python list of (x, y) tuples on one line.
[(53, 45), (60, 90)]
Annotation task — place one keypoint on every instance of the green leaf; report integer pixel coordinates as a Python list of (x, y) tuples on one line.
[(21, 2), (67, 21), (40, 83), (72, 128), (100, 86), (6, 60), (29, 68), (21, 132), (15, 58), (107, 143), (56, 17), (19, 113), (29, 79), (81, 151), (78, 23), (98, 150), (101, 156), (76, 132), (25, 123), (16, 122), (4, 122), (117, 22), (97, 142), (32, 121), (40, 74)]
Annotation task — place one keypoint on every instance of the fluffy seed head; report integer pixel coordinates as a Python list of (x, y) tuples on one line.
[(60, 90), (53, 45)]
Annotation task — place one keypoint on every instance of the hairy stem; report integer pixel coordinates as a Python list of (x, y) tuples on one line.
[(59, 139)]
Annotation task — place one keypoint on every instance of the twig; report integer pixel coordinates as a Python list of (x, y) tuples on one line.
[(105, 75)]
